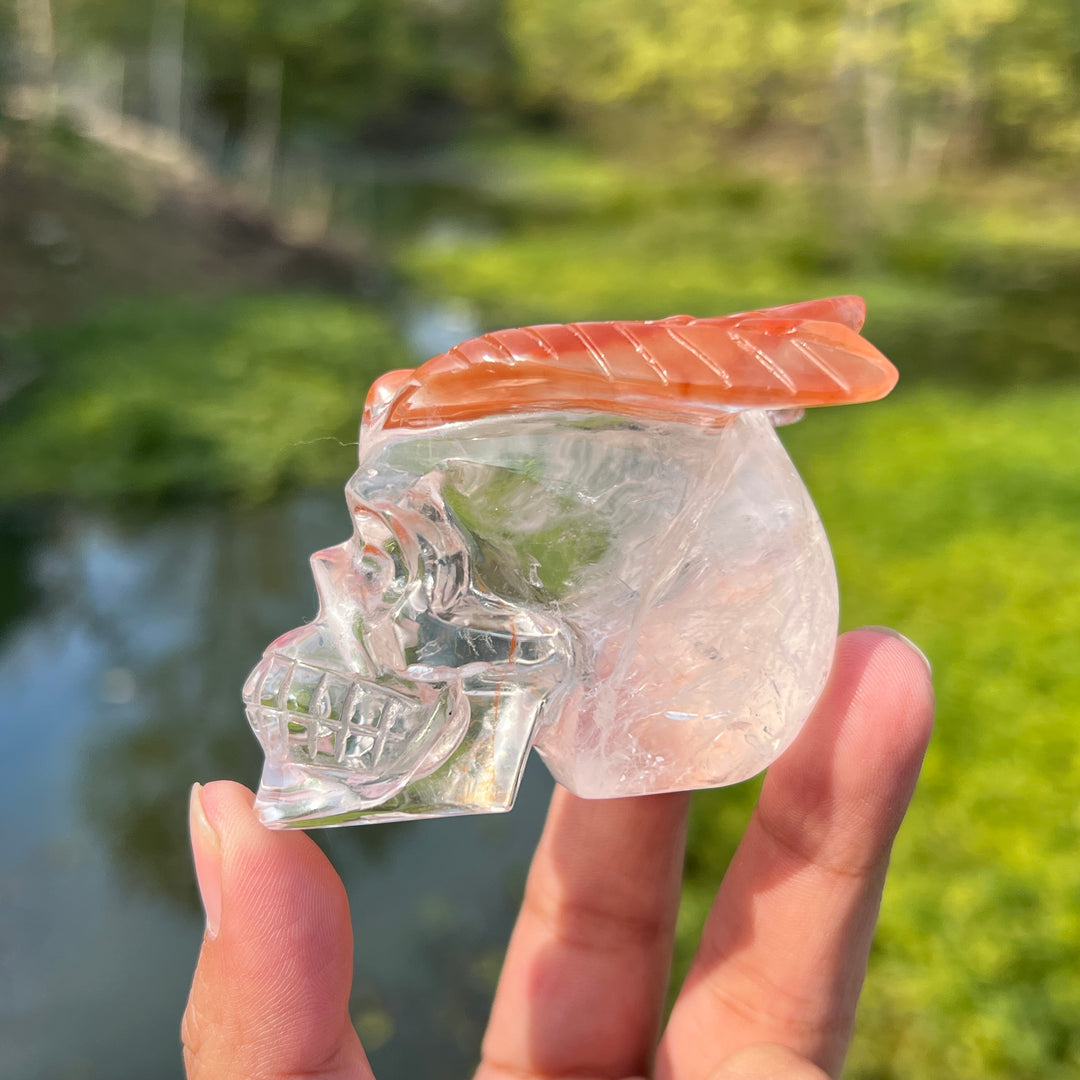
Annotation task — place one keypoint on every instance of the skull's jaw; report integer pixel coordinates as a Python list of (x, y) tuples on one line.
[(355, 750), (290, 797), (480, 777)]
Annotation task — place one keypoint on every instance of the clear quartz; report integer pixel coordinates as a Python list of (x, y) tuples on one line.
[(652, 605)]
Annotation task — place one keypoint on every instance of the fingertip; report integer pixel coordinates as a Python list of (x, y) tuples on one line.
[(225, 801), (888, 631), (851, 773), (272, 986), (272, 879), (260, 865), (271, 886), (810, 871), (892, 676)]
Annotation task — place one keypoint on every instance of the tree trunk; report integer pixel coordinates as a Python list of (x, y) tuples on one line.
[(167, 63), (36, 54), (263, 128), (881, 120)]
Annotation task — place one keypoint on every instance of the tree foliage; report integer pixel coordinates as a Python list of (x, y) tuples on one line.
[(908, 83), (907, 87), (341, 61)]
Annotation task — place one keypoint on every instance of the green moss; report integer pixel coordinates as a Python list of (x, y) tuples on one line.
[(161, 398)]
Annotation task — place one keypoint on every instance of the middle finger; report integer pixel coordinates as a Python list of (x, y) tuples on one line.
[(584, 979)]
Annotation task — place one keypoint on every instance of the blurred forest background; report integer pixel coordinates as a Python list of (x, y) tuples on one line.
[(221, 219)]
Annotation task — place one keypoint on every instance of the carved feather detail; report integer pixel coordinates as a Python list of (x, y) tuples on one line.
[(680, 367)]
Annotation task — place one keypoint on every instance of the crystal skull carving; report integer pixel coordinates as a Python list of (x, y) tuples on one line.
[(582, 538)]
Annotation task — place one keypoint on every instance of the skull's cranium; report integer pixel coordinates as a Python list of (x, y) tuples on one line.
[(650, 602)]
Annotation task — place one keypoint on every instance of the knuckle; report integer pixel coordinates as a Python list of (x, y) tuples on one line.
[(799, 844), (593, 926), (768, 1061)]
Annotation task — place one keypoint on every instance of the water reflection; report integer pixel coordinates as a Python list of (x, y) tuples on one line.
[(121, 686), (17, 592)]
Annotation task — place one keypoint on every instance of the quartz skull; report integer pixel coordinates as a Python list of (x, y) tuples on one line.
[(643, 592)]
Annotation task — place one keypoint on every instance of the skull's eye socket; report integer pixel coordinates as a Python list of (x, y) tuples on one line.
[(379, 557)]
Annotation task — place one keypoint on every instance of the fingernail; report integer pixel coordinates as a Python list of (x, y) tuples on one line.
[(907, 641), (206, 849)]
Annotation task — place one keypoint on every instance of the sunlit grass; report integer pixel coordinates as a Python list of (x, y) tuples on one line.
[(546, 175), (957, 519), (160, 398)]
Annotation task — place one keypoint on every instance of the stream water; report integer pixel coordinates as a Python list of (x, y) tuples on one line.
[(124, 642), (121, 663)]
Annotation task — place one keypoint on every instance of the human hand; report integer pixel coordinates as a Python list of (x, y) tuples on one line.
[(772, 990)]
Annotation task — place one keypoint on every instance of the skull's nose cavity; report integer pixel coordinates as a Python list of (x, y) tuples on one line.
[(379, 556)]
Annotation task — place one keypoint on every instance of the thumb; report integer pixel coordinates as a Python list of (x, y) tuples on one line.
[(767, 1061), (271, 991)]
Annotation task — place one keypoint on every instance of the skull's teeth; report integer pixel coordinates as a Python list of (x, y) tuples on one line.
[(330, 718), (341, 745)]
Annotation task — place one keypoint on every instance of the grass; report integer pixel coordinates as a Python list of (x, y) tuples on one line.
[(166, 398), (975, 556), (956, 518)]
